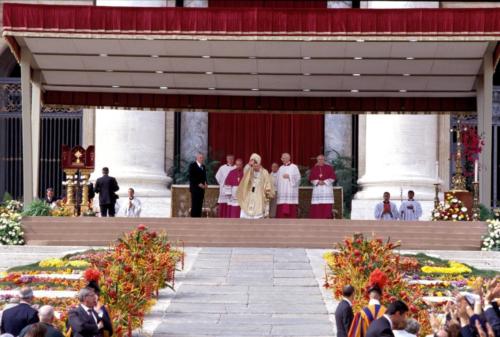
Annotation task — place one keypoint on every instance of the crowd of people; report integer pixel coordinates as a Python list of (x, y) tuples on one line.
[(252, 192), (469, 315), (21, 318)]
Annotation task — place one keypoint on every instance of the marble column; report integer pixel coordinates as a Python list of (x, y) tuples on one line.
[(132, 144), (400, 151), (338, 135), (401, 154), (194, 135)]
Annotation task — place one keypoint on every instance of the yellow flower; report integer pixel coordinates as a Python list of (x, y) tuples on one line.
[(454, 268), (56, 263), (77, 264)]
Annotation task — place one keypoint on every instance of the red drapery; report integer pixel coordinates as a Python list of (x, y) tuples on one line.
[(268, 3), (269, 135), (241, 21)]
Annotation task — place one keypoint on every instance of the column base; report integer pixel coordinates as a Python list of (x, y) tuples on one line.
[(363, 209), (152, 207)]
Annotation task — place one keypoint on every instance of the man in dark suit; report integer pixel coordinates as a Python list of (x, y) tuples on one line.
[(344, 314), (46, 315), (394, 318), (197, 185), (83, 320), (106, 186), (17, 318)]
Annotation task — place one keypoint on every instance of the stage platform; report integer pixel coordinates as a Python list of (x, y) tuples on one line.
[(273, 233)]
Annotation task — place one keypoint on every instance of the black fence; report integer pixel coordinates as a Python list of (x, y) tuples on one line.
[(57, 127)]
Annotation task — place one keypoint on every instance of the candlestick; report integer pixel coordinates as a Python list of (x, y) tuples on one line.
[(436, 196), (437, 171), (475, 201), (476, 170)]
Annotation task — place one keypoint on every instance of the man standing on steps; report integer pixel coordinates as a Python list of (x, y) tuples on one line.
[(288, 189), (197, 185), (106, 186)]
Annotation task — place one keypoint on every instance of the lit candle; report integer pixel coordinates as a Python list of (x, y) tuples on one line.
[(476, 170)]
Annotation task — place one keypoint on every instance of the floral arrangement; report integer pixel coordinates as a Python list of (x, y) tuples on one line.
[(491, 241), (11, 232), (357, 258), (452, 210), (454, 268), (472, 146), (132, 273)]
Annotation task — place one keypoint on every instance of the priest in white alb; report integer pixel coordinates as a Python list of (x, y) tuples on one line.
[(224, 191), (386, 210), (410, 210), (233, 180), (288, 189), (322, 177), (255, 191)]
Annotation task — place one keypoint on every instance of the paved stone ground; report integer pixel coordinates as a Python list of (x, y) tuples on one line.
[(242, 291)]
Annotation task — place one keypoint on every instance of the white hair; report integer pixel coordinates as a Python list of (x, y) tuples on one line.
[(46, 313)]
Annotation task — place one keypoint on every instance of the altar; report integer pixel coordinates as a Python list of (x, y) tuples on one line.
[(181, 201)]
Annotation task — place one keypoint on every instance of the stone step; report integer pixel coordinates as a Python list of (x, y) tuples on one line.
[(304, 233)]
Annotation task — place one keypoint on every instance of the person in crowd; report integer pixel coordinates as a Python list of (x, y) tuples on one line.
[(274, 175), (46, 316), (288, 189), (83, 320), (100, 309), (364, 318), (255, 191), (386, 210), (224, 190), (107, 187), (50, 197), (131, 207), (410, 210), (233, 181), (394, 318), (344, 314), (36, 330), (322, 177), (411, 329), (17, 318), (197, 185)]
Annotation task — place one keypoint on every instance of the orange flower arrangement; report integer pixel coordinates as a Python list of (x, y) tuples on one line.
[(357, 258)]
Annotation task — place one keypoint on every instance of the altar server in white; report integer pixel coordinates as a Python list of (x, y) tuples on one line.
[(410, 209), (288, 189), (224, 191), (131, 207), (386, 210)]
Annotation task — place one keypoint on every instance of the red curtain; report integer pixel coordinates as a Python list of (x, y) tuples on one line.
[(269, 135), (294, 21), (268, 3)]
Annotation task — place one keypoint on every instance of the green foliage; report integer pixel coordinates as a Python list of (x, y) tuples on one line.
[(6, 197), (37, 208), (347, 177), (485, 213)]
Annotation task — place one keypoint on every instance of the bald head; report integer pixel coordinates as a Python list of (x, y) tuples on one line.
[(200, 158), (285, 158), (320, 159), (46, 314)]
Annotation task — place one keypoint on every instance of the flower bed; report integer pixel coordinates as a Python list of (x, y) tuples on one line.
[(130, 275), (491, 240), (420, 280), (11, 232)]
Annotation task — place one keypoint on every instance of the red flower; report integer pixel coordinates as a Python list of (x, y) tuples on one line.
[(91, 275), (142, 228), (357, 252)]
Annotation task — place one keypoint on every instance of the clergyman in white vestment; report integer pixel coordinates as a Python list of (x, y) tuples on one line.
[(410, 210), (224, 191), (386, 210)]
